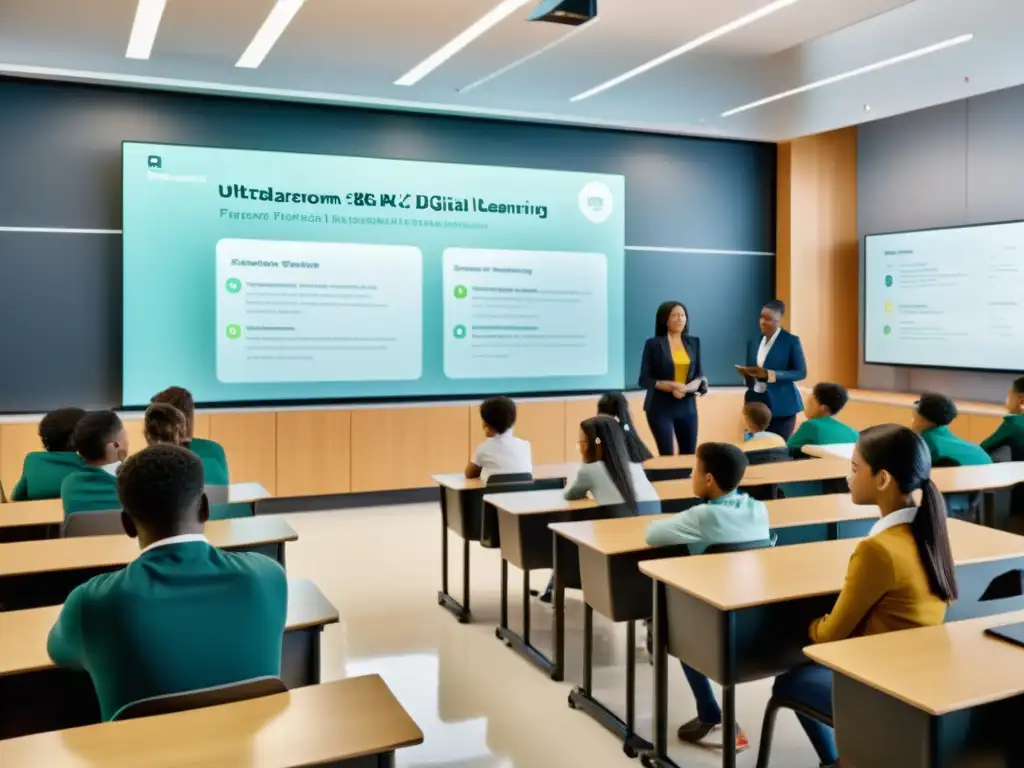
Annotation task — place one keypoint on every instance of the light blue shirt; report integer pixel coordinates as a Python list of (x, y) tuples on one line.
[(595, 479), (729, 519)]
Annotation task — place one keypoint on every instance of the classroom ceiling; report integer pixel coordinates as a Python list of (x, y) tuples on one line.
[(352, 51)]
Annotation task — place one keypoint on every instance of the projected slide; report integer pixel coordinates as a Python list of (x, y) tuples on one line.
[(946, 297), (272, 277)]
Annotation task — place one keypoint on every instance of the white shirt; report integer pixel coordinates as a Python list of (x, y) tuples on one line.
[(899, 517), (185, 538), (503, 454), (762, 354), (112, 468)]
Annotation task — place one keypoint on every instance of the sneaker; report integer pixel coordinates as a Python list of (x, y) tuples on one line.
[(546, 597), (695, 731)]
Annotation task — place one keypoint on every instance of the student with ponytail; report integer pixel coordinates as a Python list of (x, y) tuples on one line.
[(608, 472), (901, 576), (616, 405)]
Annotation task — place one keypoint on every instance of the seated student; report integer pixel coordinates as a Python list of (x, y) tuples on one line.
[(44, 471), (616, 405), (727, 516), (215, 462), (608, 473), (163, 423), (822, 427), (756, 437), (102, 443), (1011, 431), (502, 453), (901, 576), (933, 414), (183, 615)]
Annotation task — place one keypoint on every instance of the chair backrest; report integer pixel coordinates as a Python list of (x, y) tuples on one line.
[(106, 523), (739, 546), (510, 477), (204, 697), (217, 494), (769, 455)]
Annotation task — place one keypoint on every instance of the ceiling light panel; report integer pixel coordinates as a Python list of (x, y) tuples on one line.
[(277, 22), (147, 21)]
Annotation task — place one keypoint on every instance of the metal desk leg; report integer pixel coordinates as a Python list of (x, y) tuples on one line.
[(520, 643), (658, 757), (728, 726), (558, 604), (444, 598)]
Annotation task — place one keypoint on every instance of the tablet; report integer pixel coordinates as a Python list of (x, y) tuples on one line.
[(1012, 632)]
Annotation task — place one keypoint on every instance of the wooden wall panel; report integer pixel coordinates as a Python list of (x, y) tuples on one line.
[(981, 426), (575, 412), (721, 417), (542, 422), (313, 455), (402, 447), (201, 425), (861, 415), (249, 440), (136, 429), (16, 440)]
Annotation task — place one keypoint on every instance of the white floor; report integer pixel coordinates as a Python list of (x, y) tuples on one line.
[(478, 703)]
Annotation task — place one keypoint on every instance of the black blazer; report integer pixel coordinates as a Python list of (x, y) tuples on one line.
[(656, 365), (786, 358)]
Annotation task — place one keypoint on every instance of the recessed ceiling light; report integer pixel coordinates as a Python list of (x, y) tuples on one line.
[(147, 20), (496, 15), (853, 73), (714, 34), (276, 23)]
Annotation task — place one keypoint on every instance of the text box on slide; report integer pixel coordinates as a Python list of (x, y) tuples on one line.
[(299, 311), (510, 314)]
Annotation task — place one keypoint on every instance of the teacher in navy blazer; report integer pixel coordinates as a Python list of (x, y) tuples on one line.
[(775, 362), (672, 373)]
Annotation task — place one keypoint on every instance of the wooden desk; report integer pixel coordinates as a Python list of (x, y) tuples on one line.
[(935, 696), (356, 722), (35, 573), (744, 616), (830, 451), (58, 698)]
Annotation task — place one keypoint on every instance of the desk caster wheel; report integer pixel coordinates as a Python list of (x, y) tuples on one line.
[(497, 633), (646, 762), (571, 702), (629, 751), (440, 599), (463, 618)]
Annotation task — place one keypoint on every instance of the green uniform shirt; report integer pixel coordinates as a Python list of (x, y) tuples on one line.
[(215, 463), (944, 446), (42, 474), (825, 430), (90, 489), (1010, 432), (182, 616)]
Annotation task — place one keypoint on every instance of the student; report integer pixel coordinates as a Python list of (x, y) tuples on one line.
[(822, 427), (215, 462), (726, 516), (1011, 431), (933, 414), (616, 405), (163, 423), (102, 444), (183, 615), (756, 418), (502, 453), (608, 472), (45, 470), (901, 576)]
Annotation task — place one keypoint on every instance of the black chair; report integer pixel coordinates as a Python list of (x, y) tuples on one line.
[(204, 697), (739, 546), (961, 506), (105, 523), (775, 703), (509, 477), (489, 537), (767, 456)]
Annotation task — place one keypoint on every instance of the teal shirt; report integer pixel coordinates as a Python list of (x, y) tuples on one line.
[(215, 462), (180, 617), (42, 474), (89, 489), (945, 446), (1010, 433), (729, 519), (825, 430)]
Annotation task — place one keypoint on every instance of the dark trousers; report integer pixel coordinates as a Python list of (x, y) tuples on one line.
[(783, 426), (680, 423)]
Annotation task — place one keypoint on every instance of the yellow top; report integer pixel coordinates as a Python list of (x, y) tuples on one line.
[(682, 363), (886, 589)]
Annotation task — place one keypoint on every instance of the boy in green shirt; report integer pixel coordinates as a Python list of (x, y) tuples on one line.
[(184, 615), (822, 427), (933, 414), (215, 462), (1011, 431), (102, 444), (43, 471)]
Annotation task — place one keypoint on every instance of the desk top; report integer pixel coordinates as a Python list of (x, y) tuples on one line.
[(536, 502), (23, 633), (830, 451), (796, 471), (25, 557), (315, 725), (979, 478), (626, 534), (938, 669), (758, 577), (688, 461), (457, 481), (51, 511)]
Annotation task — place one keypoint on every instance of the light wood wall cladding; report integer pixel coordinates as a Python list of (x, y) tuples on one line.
[(817, 261), (16, 440), (250, 442), (577, 411), (313, 452), (719, 417), (542, 422)]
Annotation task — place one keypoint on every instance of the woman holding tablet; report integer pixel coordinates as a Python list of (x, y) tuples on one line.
[(774, 364)]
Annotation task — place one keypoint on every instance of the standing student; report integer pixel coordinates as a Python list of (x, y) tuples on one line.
[(502, 453), (901, 576), (933, 413), (183, 615), (608, 473), (822, 427), (673, 375), (1011, 431), (726, 516), (215, 461), (775, 362), (756, 437), (102, 444), (163, 423), (43, 471), (616, 405)]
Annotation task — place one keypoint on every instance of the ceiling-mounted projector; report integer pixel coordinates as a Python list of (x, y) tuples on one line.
[(571, 12)]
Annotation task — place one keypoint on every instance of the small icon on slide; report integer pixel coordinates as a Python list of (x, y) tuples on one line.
[(233, 331), (889, 307), (887, 330), (155, 161), (233, 285), (459, 331), (460, 291), (888, 281)]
